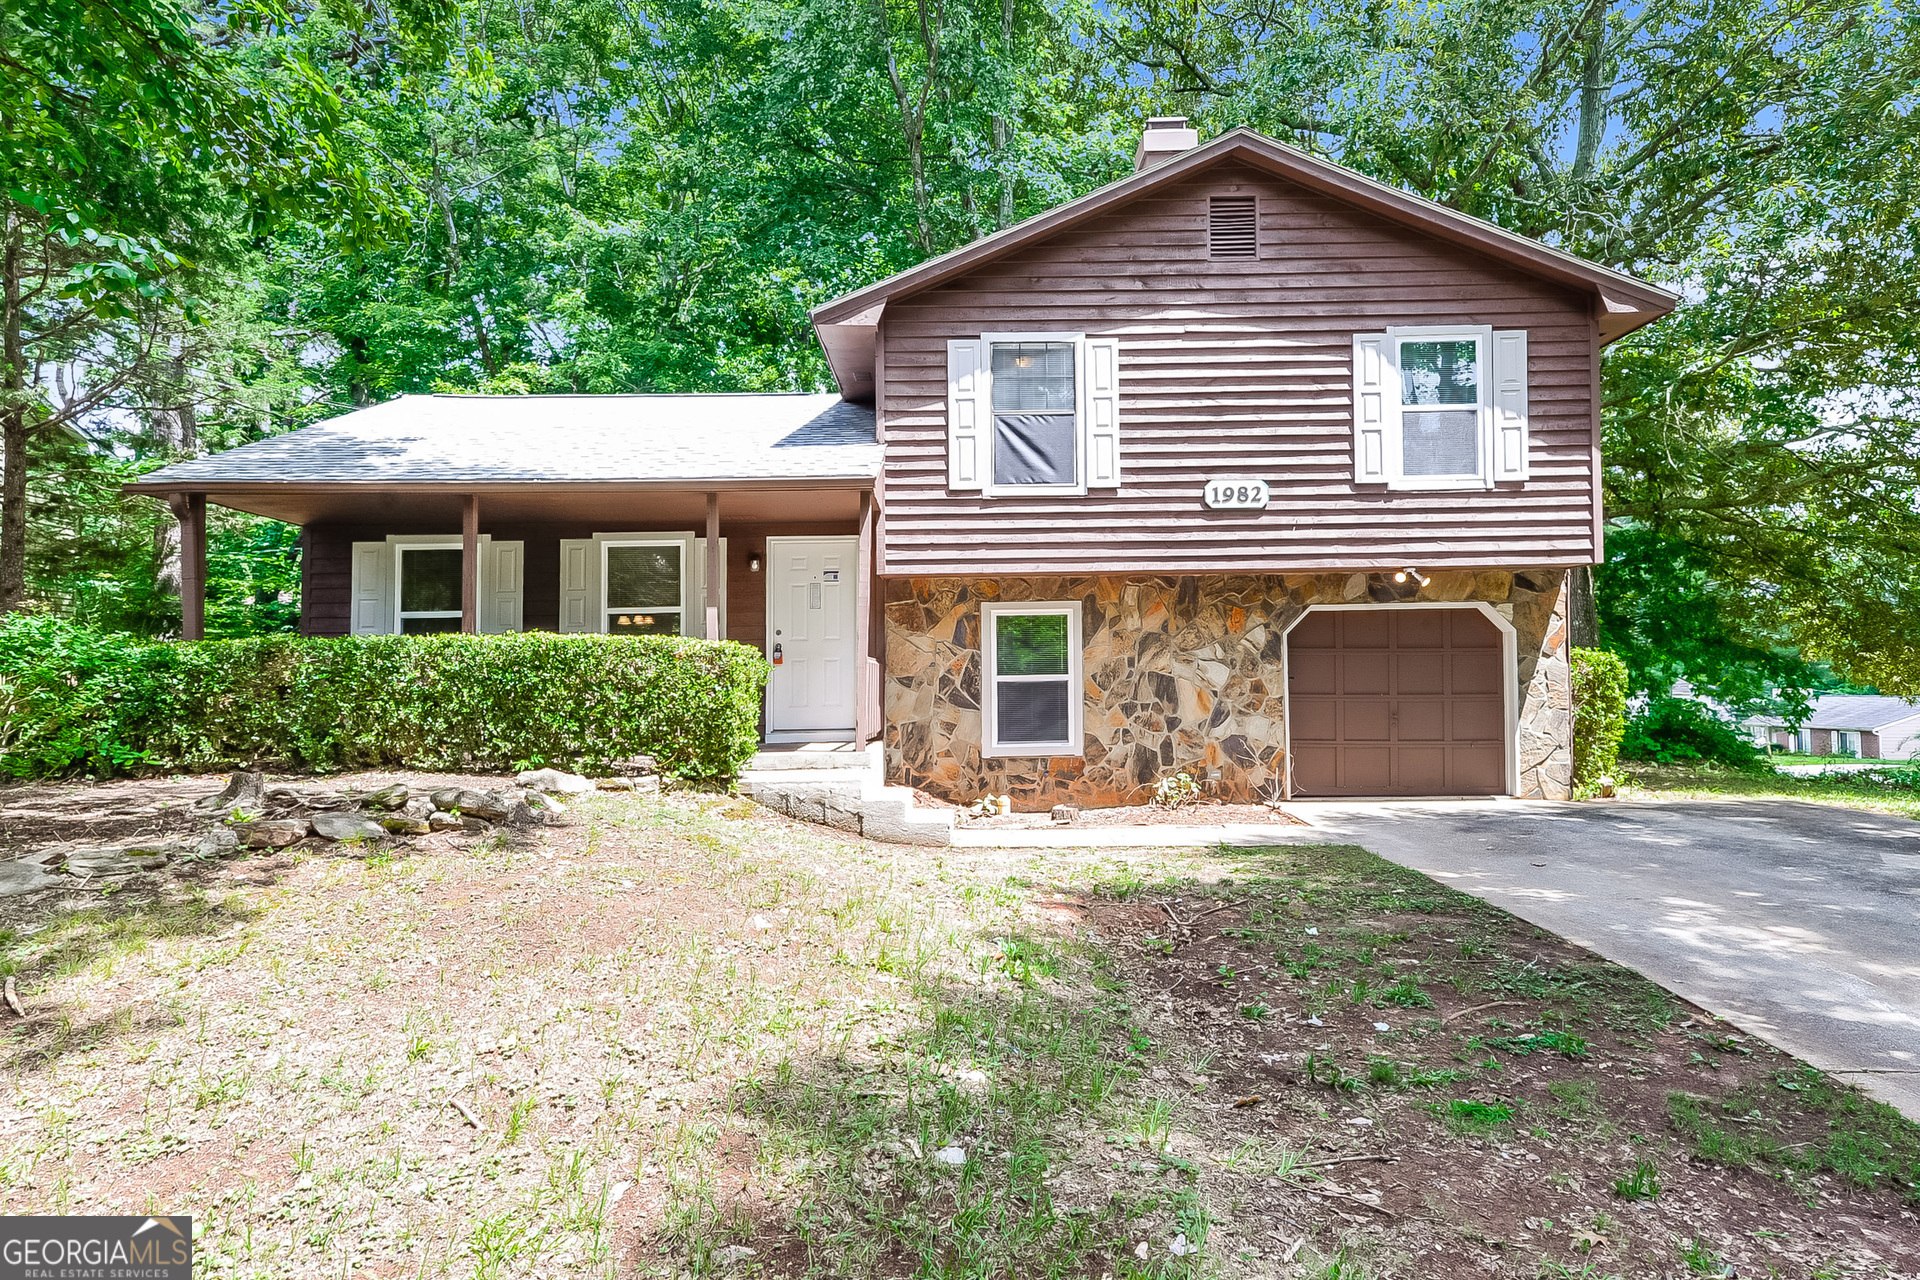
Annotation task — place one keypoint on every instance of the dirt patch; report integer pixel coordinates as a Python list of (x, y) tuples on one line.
[(1472, 1097)]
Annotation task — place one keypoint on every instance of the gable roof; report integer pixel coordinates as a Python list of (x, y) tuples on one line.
[(1862, 712), (467, 440), (846, 324)]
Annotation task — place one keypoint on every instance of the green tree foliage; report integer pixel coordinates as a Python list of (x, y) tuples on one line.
[(601, 197)]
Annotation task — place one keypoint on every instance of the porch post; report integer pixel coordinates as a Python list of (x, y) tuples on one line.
[(190, 509), (470, 565), (866, 707), (713, 567)]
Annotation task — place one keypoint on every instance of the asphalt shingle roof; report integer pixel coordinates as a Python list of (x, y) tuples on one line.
[(465, 439), (1860, 711)]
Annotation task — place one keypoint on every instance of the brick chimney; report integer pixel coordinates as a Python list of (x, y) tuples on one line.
[(1165, 138)]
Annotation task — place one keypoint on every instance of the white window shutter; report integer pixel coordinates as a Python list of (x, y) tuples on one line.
[(966, 413), (1510, 404), (1376, 409), (1103, 413), (696, 615), (372, 607), (502, 575), (580, 585)]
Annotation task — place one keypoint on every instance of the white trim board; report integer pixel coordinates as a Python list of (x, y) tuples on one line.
[(1509, 687)]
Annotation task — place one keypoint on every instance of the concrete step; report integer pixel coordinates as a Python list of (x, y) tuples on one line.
[(799, 759), (848, 799)]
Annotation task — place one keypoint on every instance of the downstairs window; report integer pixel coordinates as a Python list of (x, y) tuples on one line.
[(1031, 664)]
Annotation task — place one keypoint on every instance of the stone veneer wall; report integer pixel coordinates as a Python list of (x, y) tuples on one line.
[(1181, 673)]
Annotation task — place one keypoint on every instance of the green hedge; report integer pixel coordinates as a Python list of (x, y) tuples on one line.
[(74, 700), (1599, 716)]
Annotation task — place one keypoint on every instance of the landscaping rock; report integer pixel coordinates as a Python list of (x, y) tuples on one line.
[(21, 877), (401, 825), (439, 820), (615, 784), (547, 804), (216, 841), (520, 814), (1066, 813), (346, 826), (417, 807), (109, 860), (553, 781), (244, 790), (386, 797), (274, 833), (490, 805)]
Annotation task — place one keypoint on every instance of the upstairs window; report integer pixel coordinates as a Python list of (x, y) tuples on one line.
[(1440, 407), (1233, 228), (1033, 413)]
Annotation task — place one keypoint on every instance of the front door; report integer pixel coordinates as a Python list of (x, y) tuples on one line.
[(810, 614)]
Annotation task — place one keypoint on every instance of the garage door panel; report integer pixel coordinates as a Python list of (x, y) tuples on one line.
[(1316, 720), (1477, 721), (1313, 671), (1420, 673), (1477, 770), (1364, 771), (1422, 771), (1315, 631), (1394, 701), (1475, 671), (1421, 720)]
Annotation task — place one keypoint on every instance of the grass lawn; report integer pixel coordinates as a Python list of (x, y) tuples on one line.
[(1848, 790), (683, 1036)]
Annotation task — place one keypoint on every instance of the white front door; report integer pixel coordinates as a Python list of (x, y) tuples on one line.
[(810, 618)]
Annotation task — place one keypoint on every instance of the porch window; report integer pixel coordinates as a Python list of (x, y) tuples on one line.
[(429, 594), (1031, 656), (644, 588)]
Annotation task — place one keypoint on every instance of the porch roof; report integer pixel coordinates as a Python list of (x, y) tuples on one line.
[(472, 440)]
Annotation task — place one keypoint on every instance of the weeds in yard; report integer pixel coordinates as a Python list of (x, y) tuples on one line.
[(1464, 1115), (1564, 1043), (1642, 1184)]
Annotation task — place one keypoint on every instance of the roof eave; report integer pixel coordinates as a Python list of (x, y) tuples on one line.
[(1646, 300), (158, 487)]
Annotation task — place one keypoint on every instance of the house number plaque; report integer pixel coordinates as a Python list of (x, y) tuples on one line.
[(1235, 495)]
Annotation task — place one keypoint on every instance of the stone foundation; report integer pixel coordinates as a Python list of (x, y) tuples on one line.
[(1181, 673)]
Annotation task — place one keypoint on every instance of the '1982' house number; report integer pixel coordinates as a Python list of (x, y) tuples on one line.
[(1235, 495)]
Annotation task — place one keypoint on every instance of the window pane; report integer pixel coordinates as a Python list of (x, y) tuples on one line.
[(640, 577), (430, 580), (1031, 711), (1033, 377), (655, 623), (1035, 448), (1440, 372), (428, 626), (1441, 444), (1030, 644)]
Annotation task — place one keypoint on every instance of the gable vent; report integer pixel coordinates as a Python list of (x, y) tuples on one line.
[(1232, 228)]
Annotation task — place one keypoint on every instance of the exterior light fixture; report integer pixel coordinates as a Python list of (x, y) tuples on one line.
[(1415, 574), (753, 561)]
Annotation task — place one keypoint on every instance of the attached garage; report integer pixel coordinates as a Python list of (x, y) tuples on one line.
[(1398, 700)]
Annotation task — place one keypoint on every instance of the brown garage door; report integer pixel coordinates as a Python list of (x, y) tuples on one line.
[(1396, 702)]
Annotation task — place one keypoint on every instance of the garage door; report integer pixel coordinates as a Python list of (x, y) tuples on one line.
[(1396, 702)]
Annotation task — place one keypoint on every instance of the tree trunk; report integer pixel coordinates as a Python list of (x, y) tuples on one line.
[(1002, 127), (1583, 614), (13, 425)]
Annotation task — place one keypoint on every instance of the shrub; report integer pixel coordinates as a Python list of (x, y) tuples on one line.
[(1671, 729), (73, 699), (1599, 716)]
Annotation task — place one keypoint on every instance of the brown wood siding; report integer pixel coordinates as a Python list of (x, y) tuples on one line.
[(1237, 368), (326, 574)]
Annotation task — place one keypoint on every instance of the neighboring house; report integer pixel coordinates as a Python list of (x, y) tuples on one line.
[(1246, 465), (1869, 726)]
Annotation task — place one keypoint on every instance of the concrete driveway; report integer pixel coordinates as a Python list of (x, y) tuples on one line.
[(1800, 923)]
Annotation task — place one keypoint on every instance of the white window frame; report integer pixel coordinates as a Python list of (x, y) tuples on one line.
[(1482, 336), (1080, 459), (1075, 742), (400, 550), (607, 609)]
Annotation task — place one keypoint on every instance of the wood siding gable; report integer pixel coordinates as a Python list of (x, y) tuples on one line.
[(1238, 368)]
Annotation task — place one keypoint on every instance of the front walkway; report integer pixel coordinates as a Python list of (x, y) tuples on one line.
[(1799, 923)]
